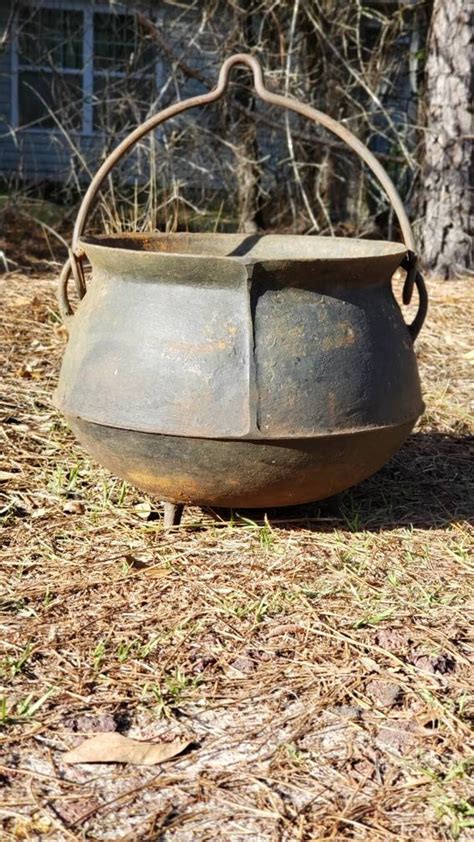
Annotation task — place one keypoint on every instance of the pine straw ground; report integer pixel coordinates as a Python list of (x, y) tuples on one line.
[(320, 664)]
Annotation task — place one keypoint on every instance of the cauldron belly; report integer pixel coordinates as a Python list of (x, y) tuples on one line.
[(240, 473)]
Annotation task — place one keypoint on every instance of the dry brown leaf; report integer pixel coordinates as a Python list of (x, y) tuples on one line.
[(136, 563), (62, 332), (21, 301), (73, 812), (6, 475), (36, 513), (384, 693), (154, 572), (111, 747), (91, 724), (143, 568), (74, 507), (143, 509), (286, 628)]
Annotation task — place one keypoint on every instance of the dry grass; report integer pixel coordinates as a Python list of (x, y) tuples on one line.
[(321, 664)]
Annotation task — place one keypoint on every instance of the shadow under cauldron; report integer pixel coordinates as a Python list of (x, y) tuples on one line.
[(428, 484)]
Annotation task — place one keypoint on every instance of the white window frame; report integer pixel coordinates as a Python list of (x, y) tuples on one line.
[(88, 9), (115, 74)]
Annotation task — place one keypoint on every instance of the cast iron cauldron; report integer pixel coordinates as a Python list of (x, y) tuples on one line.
[(240, 370)]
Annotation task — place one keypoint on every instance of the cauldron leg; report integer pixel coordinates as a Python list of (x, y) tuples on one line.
[(173, 514)]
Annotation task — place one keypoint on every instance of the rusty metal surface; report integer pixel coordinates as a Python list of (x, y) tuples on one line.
[(235, 370), (161, 348), (248, 474), (236, 338)]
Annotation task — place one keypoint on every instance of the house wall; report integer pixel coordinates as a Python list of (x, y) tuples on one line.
[(26, 154), (199, 159), (8, 149), (37, 154)]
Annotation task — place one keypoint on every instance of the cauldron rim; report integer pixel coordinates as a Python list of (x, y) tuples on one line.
[(246, 247)]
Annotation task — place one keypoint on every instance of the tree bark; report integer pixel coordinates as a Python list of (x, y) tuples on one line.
[(447, 232), (246, 148)]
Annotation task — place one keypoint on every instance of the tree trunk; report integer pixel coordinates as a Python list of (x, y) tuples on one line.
[(448, 200), (246, 146), (247, 175)]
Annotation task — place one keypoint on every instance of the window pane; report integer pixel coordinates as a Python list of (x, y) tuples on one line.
[(121, 103), (121, 43), (39, 94), (50, 37)]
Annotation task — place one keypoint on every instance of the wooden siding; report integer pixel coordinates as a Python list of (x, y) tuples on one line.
[(9, 154), (36, 154)]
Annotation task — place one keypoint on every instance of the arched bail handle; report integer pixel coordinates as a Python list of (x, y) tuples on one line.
[(244, 59), (74, 264), (267, 96)]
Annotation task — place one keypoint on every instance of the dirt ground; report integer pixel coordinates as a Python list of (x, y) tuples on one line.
[(320, 662)]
